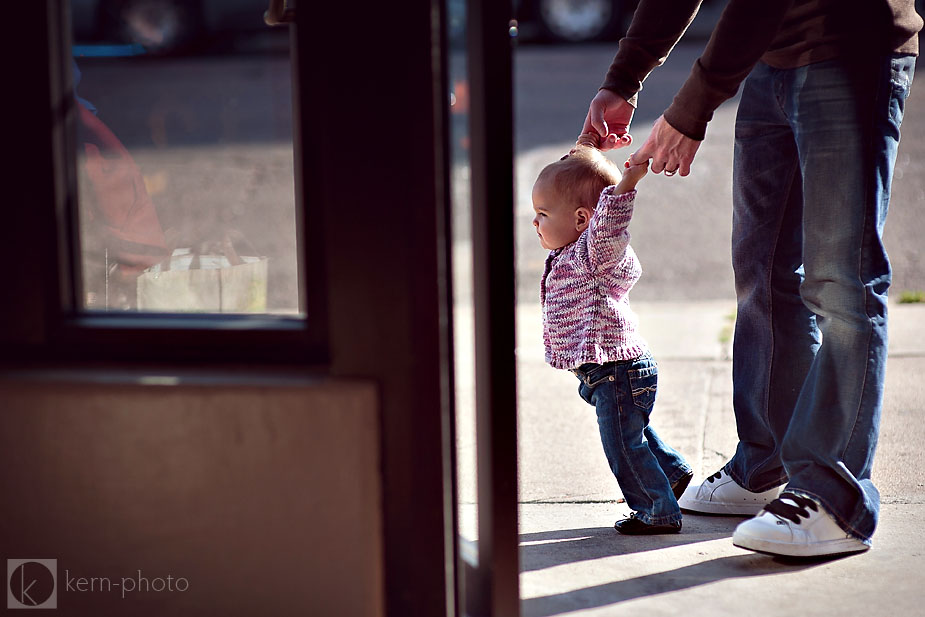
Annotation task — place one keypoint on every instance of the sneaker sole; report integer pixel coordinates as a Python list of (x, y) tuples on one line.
[(818, 549), (716, 507)]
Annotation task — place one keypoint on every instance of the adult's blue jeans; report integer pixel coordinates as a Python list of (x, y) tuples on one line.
[(814, 153), (623, 394)]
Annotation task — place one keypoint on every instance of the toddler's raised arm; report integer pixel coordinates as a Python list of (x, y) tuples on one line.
[(604, 248), (632, 174)]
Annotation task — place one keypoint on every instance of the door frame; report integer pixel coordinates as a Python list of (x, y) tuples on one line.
[(372, 149)]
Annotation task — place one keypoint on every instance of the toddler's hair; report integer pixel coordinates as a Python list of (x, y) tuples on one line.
[(579, 178)]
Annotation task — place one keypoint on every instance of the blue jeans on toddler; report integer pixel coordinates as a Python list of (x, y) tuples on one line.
[(623, 394)]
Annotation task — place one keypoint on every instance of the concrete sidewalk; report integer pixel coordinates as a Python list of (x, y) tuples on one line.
[(573, 562)]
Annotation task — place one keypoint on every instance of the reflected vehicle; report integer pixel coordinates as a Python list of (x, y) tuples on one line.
[(575, 21), (556, 21), (163, 26)]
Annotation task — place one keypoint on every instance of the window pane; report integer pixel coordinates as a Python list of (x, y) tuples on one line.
[(184, 158)]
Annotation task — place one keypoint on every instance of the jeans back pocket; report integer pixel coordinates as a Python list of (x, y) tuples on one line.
[(644, 384)]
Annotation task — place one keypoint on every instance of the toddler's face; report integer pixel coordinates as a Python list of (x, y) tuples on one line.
[(556, 223)]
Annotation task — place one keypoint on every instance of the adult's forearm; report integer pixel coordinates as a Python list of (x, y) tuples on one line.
[(657, 26), (742, 35)]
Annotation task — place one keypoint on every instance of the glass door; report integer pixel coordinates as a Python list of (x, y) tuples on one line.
[(481, 179)]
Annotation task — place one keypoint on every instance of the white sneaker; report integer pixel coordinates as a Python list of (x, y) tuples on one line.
[(720, 494), (795, 526)]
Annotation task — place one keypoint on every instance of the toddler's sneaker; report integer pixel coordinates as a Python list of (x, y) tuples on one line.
[(795, 526), (632, 526), (720, 494)]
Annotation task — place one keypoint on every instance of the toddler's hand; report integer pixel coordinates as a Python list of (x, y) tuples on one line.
[(631, 175), (591, 139)]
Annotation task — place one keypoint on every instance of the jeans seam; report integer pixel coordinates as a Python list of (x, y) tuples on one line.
[(679, 473), (626, 457), (664, 520), (857, 410), (767, 396), (861, 260)]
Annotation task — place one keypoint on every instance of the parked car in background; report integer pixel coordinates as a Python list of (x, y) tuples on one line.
[(554, 21), (163, 26), (171, 26), (575, 21)]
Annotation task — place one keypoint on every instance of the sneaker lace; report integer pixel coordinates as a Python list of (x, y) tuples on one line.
[(791, 511), (715, 476)]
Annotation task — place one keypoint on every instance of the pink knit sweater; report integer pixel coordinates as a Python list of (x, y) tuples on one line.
[(586, 311)]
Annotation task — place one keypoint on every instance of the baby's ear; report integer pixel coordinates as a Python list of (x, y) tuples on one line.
[(582, 218)]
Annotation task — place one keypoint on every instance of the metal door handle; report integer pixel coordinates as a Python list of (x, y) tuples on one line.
[(280, 12)]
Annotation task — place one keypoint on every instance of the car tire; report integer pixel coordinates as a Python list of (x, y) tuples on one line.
[(579, 21), (162, 27)]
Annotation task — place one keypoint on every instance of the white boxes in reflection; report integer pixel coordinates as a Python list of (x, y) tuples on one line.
[(208, 283)]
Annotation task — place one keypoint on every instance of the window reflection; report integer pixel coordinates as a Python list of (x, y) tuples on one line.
[(463, 309), (185, 172)]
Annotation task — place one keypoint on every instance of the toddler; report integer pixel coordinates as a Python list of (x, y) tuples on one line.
[(583, 207)]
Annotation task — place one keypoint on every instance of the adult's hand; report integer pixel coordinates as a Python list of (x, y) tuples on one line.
[(669, 150), (609, 115)]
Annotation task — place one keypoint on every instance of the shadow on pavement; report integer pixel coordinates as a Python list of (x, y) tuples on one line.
[(546, 549), (736, 566)]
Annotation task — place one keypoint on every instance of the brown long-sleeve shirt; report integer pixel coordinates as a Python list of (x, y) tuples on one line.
[(782, 33)]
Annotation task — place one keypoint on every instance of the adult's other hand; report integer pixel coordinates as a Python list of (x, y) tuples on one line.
[(669, 150)]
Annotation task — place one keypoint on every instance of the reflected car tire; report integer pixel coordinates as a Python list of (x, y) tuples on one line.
[(578, 21)]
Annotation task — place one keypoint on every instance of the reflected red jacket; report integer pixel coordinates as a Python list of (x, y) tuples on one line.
[(122, 208)]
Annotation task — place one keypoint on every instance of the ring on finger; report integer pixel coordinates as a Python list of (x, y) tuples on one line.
[(670, 173)]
